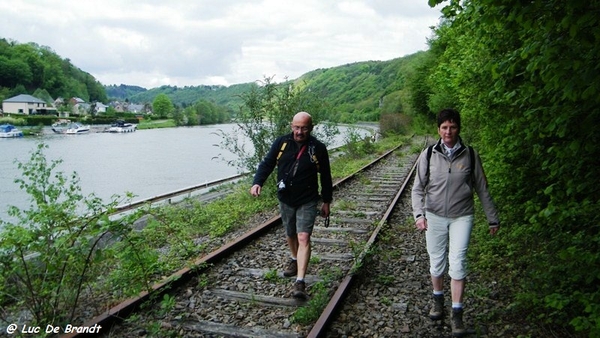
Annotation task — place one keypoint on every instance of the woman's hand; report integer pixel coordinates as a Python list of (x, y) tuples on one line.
[(421, 223)]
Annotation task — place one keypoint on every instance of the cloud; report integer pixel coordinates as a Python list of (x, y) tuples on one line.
[(180, 42)]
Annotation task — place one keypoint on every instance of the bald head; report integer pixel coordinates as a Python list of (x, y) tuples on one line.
[(302, 125), (303, 117)]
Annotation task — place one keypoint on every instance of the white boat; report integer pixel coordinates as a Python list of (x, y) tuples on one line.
[(121, 126), (8, 130), (68, 127)]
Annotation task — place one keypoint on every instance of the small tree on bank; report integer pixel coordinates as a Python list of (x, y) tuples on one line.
[(51, 252), (162, 106), (266, 114)]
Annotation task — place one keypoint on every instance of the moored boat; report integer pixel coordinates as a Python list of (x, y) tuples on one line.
[(68, 127), (8, 130), (121, 126)]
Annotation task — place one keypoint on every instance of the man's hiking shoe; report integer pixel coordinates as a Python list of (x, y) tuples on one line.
[(437, 310), (299, 290), (458, 328), (292, 268)]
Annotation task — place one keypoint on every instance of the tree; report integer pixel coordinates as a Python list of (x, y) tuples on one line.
[(267, 112), (43, 95), (162, 106), (32, 67), (14, 72)]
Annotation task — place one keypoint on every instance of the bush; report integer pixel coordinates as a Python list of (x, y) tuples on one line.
[(51, 252)]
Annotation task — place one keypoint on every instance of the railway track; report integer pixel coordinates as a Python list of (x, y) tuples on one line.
[(239, 290)]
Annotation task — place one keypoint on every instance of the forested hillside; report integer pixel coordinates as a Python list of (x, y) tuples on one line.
[(122, 92), (526, 77), (30, 68), (359, 91), (362, 91), (228, 97)]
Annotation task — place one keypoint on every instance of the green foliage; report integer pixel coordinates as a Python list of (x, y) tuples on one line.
[(357, 146), (227, 97), (526, 79), (51, 252), (387, 280), (394, 123), (317, 303), (162, 106), (204, 112), (267, 113), (355, 92), (123, 92), (29, 68), (167, 304), (272, 276), (12, 120), (152, 124)]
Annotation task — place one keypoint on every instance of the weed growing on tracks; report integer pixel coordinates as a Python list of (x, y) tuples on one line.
[(317, 303), (203, 281), (167, 304), (271, 275)]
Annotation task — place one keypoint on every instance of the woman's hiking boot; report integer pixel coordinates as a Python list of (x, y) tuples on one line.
[(437, 310), (292, 268), (458, 328)]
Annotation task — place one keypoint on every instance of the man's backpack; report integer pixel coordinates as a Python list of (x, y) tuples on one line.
[(430, 151)]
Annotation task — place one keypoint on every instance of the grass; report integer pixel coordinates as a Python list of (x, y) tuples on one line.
[(317, 303), (153, 124)]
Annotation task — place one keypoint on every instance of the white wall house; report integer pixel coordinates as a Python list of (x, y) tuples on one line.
[(26, 105), (100, 108)]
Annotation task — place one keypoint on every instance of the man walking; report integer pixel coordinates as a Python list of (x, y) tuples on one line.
[(299, 158)]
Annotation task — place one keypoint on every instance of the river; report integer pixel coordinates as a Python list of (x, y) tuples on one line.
[(146, 163)]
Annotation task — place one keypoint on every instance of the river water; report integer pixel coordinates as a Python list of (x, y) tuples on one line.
[(147, 163)]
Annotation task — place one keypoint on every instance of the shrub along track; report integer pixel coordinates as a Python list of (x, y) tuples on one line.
[(239, 290)]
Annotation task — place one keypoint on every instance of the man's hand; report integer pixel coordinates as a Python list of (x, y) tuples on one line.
[(255, 190), (494, 229), (325, 210)]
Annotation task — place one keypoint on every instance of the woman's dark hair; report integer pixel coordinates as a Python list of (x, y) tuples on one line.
[(448, 114)]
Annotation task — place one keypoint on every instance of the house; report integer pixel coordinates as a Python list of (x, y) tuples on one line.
[(27, 105), (79, 105), (100, 108), (120, 107), (135, 108), (59, 102)]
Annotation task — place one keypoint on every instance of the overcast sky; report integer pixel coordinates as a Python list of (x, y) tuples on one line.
[(151, 43)]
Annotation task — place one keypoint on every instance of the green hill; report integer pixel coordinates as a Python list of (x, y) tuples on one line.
[(356, 91), (122, 92), (30, 68), (359, 91)]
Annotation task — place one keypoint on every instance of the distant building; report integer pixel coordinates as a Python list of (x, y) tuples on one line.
[(100, 108), (120, 107), (27, 105), (126, 107), (80, 107), (135, 108), (59, 102)]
